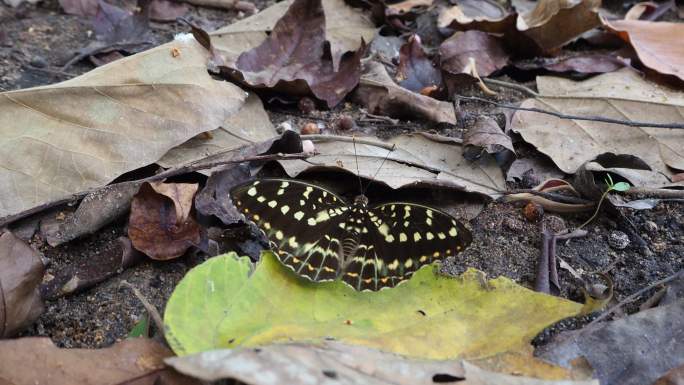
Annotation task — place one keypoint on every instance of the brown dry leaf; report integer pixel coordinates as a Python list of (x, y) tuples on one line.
[(344, 28), (380, 95), (166, 10), (674, 376), (583, 63), (484, 15), (553, 23), (487, 50), (293, 58), (79, 7), (68, 137), (658, 44), (160, 224), (21, 271), (620, 95), (415, 71), (36, 360), (485, 134)]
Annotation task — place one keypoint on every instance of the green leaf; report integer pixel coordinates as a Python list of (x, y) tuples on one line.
[(620, 186), (141, 328), (219, 304)]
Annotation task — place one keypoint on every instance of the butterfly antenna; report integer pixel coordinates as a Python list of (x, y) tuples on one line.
[(356, 158), (379, 167)]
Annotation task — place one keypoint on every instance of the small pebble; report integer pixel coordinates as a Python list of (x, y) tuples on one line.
[(311, 128), (344, 123), (651, 227), (534, 212), (618, 240), (39, 62), (306, 105)]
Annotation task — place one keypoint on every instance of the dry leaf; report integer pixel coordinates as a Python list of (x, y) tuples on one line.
[(85, 132), (484, 15), (293, 58), (166, 10), (486, 50), (380, 95), (485, 134), (35, 360), (619, 95), (79, 7), (658, 44), (344, 28), (415, 71), (160, 224), (583, 63), (21, 271)]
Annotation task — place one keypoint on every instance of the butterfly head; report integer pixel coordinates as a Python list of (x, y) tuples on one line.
[(361, 200)]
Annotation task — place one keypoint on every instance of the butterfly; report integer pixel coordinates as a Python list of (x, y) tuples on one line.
[(322, 237)]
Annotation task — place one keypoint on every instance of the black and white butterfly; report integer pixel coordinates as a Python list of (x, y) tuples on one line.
[(322, 237)]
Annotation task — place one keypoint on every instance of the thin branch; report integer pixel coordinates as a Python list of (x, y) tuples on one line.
[(151, 310), (193, 166), (576, 117), (662, 193), (330, 138), (514, 86), (634, 296)]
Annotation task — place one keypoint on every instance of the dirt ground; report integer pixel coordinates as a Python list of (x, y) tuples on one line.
[(36, 40)]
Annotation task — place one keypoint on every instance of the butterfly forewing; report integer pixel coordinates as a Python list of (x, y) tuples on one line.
[(402, 237), (301, 222)]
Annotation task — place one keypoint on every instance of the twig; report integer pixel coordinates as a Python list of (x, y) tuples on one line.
[(380, 118), (553, 196), (635, 296), (542, 281), (339, 138), (576, 117), (655, 192), (193, 166), (513, 86), (151, 310)]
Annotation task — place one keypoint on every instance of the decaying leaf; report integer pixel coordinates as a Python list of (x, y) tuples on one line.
[(332, 362), (658, 44), (167, 10), (79, 7), (85, 132), (415, 159), (293, 58), (160, 224), (619, 95), (487, 51), (634, 350), (485, 134), (21, 271), (381, 95), (583, 63), (429, 316), (33, 360), (416, 71)]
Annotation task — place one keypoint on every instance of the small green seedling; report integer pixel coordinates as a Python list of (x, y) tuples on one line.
[(141, 328), (619, 186)]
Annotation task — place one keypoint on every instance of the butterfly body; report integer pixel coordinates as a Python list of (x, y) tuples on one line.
[(320, 236)]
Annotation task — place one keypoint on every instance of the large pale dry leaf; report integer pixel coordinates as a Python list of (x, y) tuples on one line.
[(619, 95), (85, 132), (249, 125), (659, 45), (486, 135), (336, 363), (485, 15), (31, 361), (21, 271), (415, 160), (631, 351), (381, 95), (344, 29)]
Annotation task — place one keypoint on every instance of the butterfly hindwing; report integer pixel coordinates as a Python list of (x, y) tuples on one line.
[(402, 237), (300, 220)]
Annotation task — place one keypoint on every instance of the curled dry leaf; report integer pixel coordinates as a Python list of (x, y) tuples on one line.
[(415, 70), (32, 360), (160, 224), (658, 44), (380, 95), (294, 59), (485, 134), (21, 271), (620, 95), (484, 15), (552, 24), (159, 101)]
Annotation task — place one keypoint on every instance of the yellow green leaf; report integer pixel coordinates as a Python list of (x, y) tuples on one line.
[(219, 304)]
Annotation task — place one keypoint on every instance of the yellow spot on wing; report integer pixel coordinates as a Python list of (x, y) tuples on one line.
[(272, 204), (453, 232), (429, 236), (279, 235), (402, 237), (299, 215), (252, 191), (416, 237), (285, 209)]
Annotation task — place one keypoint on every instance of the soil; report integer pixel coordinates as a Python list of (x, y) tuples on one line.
[(36, 40)]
